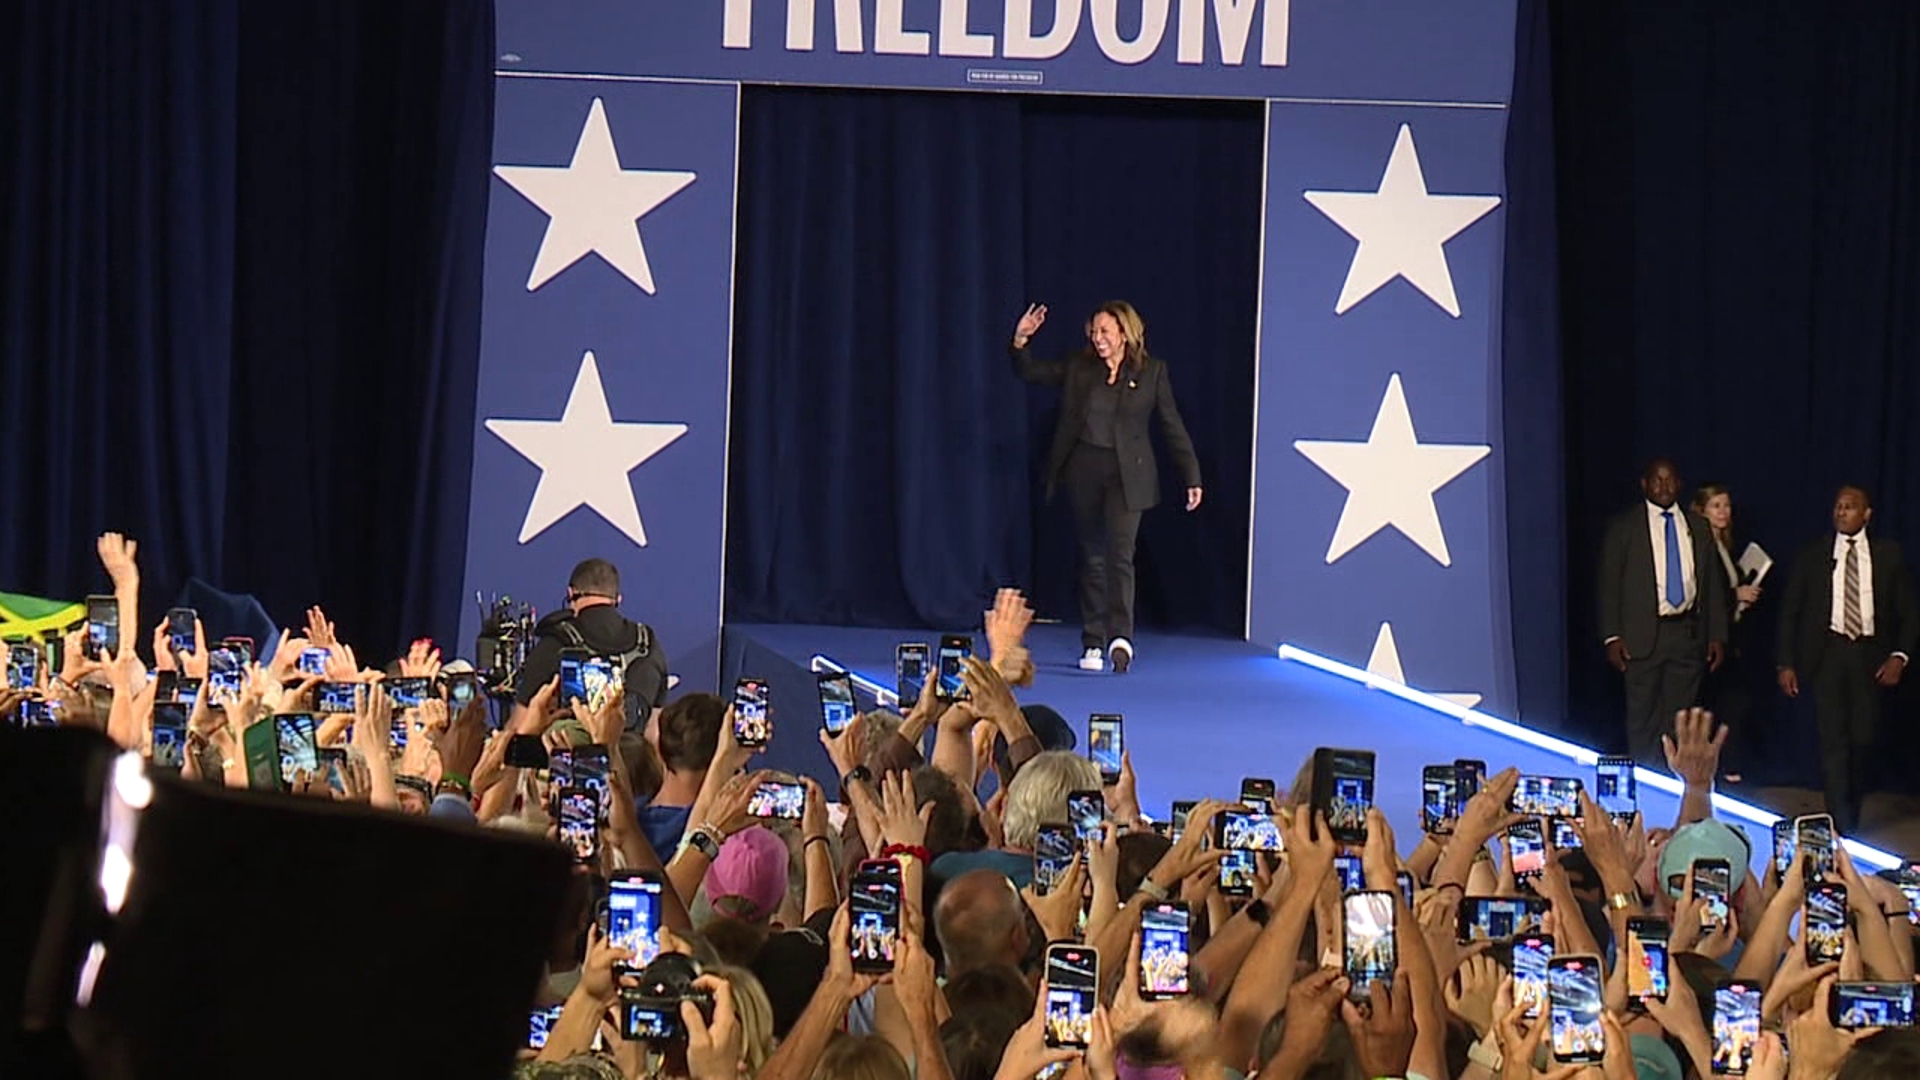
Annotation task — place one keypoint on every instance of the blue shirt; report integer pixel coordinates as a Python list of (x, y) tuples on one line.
[(663, 826)]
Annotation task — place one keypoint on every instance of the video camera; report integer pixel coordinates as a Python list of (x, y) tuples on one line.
[(506, 636)]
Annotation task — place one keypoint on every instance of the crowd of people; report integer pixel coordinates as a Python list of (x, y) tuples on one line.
[(894, 929)]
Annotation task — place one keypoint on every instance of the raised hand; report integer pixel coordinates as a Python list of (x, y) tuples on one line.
[(422, 660), (1007, 621), (713, 1050), (117, 555), (320, 629), (1693, 750), (1029, 323)]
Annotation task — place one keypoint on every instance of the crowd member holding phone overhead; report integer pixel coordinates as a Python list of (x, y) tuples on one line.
[(591, 622), (1847, 630), (1662, 619), (1103, 455)]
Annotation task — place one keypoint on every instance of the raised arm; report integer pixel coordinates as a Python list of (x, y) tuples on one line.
[(1041, 372)]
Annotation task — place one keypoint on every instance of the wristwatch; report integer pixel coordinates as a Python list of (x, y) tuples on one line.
[(1622, 901), (702, 839), (1487, 1057), (858, 772), (1153, 889)]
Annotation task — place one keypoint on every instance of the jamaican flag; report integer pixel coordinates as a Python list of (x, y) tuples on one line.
[(34, 618)]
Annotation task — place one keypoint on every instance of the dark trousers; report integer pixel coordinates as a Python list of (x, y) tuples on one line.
[(1846, 708), (1728, 692), (1662, 683), (1106, 529)]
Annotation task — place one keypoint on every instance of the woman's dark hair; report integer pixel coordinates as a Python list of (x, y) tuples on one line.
[(975, 1040), (1891, 1054), (736, 941), (995, 987), (947, 827), (1703, 495), (1139, 853)]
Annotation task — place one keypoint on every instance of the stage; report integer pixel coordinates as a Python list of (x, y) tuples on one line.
[(1202, 712)]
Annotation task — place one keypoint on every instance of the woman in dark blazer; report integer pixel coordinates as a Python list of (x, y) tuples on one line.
[(1104, 458), (1727, 691)]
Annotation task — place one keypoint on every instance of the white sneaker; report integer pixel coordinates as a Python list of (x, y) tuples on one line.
[(1121, 653), (1093, 660)]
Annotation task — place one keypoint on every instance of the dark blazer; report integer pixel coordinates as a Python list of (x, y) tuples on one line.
[(1806, 615), (1145, 388), (1629, 608)]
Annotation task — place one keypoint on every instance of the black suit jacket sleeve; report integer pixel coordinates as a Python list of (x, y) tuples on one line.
[(1179, 444), (1613, 567), (1709, 577), (1906, 627), (1793, 608), (1034, 370)]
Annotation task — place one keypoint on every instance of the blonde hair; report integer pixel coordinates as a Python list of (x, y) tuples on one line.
[(1133, 329), (861, 1057), (1038, 793), (754, 1013)]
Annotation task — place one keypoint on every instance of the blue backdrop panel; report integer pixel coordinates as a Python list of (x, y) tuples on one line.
[(1398, 49), (1356, 522), (602, 406)]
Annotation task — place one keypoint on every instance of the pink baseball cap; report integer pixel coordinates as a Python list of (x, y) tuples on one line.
[(752, 868)]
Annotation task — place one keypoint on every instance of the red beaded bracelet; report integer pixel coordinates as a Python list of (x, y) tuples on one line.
[(914, 851)]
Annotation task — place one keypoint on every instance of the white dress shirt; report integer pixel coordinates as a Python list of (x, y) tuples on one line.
[(1863, 554), (1657, 529)]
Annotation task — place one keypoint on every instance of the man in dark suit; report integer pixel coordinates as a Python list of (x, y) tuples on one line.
[(1662, 616), (1847, 628)]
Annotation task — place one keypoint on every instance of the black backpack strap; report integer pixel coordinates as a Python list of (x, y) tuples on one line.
[(572, 633)]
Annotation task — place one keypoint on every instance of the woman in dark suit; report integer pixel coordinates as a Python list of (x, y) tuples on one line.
[(1103, 456), (1727, 691)]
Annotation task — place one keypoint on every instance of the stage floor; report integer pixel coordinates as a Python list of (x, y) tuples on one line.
[(1203, 712)]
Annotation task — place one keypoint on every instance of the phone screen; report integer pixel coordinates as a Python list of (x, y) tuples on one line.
[(1565, 836), (1164, 939), (1710, 886), (633, 919), (1547, 796), (1866, 1004), (1614, 787), (180, 635), (169, 734), (1053, 847), (874, 911), (1104, 746), (1237, 870), (336, 697), (584, 678), (226, 674), (589, 764), (778, 799), (1405, 881), (1473, 775), (1071, 985), (752, 721), (23, 666), (297, 750), (1257, 792), (909, 671), (1814, 832), (1826, 923), (1573, 1005), (1371, 955), (1529, 850), (314, 661), (1349, 872), (954, 649), (1783, 846), (1647, 959), (1349, 793), (1247, 830), (242, 646), (836, 701), (1736, 1027), (462, 688), (1439, 799), (1499, 918), (103, 627), (1531, 952), (39, 712), (580, 821), (1086, 811), (1180, 812), (408, 693), (540, 1025)]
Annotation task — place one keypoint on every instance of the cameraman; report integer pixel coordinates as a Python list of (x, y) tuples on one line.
[(592, 621)]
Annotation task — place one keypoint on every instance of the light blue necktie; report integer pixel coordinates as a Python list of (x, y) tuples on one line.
[(1676, 577)]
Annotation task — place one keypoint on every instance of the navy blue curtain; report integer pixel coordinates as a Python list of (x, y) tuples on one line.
[(885, 462), (239, 299), (1739, 190)]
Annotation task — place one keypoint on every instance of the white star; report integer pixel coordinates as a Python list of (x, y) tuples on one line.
[(593, 206), (1401, 229), (1390, 479), (1385, 662), (584, 458)]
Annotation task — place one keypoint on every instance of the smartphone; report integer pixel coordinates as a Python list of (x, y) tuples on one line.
[(186, 691), (1547, 796), (1498, 919), (910, 671), (297, 751), (37, 712), (226, 674), (1405, 882), (1104, 746), (1573, 1010), (1473, 776), (1086, 811), (1783, 847), (526, 752), (333, 764), (645, 1023), (1165, 935), (103, 627), (1343, 791), (1072, 982), (1736, 1026), (752, 717), (1711, 878), (260, 747), (1053, 848), (462, 688), (330, 698), (1371, 955), (180, 635), (1565, 836), (1439, 799), (1182, 809), (580, 821), (837, 708), (874, 915), (1854, 1005), (1531, 954), (1814, 833), (540, 1024), (1348, 871), (1646, 960), (169, 745), (954, 650), (23, 666), (588, 766), (1614, 787), (408, 693), (1237, 870), (584, 678), (314, 661), (1528, 848), (1824, 925), (241, 645), (1257, 792), (634, 917), (778, 799)]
